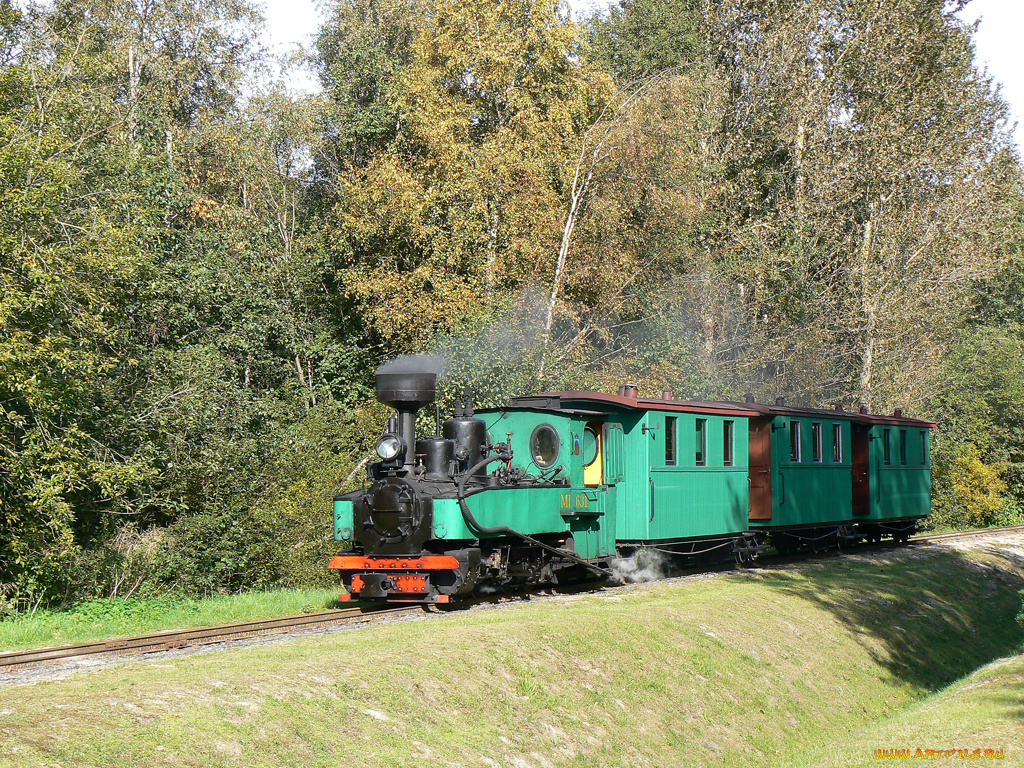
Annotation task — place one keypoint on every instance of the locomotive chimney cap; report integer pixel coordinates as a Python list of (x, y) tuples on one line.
[(666, 394), (411, 389), (864, 410), (631, 390), (748, 398), (409, 381), (780, 401), (898, 413), (839, 406)]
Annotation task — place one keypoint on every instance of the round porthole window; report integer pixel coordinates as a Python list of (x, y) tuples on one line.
[(591, 443), (544, 444)]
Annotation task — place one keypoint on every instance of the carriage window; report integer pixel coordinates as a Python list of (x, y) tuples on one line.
[(670, 441), (591, 445), (816, 445), (885, 447), (794, 441), (837, 443), (544, 444), (702, 442), (727, 443), (924, 448), (903, 446)]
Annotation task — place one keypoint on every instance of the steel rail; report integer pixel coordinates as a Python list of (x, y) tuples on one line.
[(182, 638), (924, 539)]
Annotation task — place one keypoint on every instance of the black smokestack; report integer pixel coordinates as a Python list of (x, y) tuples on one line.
[(407, 384)]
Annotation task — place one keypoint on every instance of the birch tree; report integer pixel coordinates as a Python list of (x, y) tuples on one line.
[(877, 159)]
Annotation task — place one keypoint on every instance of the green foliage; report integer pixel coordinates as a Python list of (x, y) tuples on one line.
[(979, 457), (216, 554), (360, 53), (127, 612), (968, 493), (633, 39), (301, 481), (71, 263), (152, 346)]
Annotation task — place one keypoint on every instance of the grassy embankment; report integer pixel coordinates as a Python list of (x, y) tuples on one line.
[(817, 667), (104, 619)]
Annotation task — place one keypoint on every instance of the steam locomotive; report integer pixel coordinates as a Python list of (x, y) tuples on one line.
[(561, 485)]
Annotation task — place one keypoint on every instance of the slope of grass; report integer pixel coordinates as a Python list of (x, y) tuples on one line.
[(758, 669), (982, 714), (105, 619)]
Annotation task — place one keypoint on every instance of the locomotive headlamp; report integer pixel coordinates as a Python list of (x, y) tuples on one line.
[(390, 446)]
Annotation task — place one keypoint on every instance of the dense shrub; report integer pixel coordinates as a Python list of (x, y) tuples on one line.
[(967, 492), (217, 553)]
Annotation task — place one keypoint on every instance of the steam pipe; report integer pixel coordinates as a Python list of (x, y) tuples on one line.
[(502, 529), (407, 429)]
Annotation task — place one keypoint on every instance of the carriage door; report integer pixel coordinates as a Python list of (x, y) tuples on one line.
[(593, 453), (594, 528), (760, 473), (860, 436), (613, 477)]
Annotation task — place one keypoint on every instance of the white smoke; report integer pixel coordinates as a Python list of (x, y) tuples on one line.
[(642, 566), (415, 364)]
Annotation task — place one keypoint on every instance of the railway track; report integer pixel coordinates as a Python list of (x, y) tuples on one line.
[(184, 638), (928, 538)]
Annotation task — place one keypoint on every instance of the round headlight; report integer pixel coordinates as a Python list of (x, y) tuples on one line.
[(389, 446)]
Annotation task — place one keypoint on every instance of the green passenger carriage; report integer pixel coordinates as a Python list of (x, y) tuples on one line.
[(812, 473)]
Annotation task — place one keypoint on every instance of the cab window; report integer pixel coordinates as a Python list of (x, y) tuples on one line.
[(544, 444)]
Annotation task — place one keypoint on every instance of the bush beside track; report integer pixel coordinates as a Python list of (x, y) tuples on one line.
[(769, 667)]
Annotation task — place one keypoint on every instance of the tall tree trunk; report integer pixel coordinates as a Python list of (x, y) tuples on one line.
[(801, 174), (586, 166), (575, 205), (134, 75), (870, 311)]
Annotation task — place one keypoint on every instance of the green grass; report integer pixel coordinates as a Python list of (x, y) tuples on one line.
[(758, 669), (104, 619), (985, 711)]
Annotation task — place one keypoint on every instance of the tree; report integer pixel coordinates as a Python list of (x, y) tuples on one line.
[(635, 39), (873, 180), (360, 52), (94, 97), (462, 209)]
